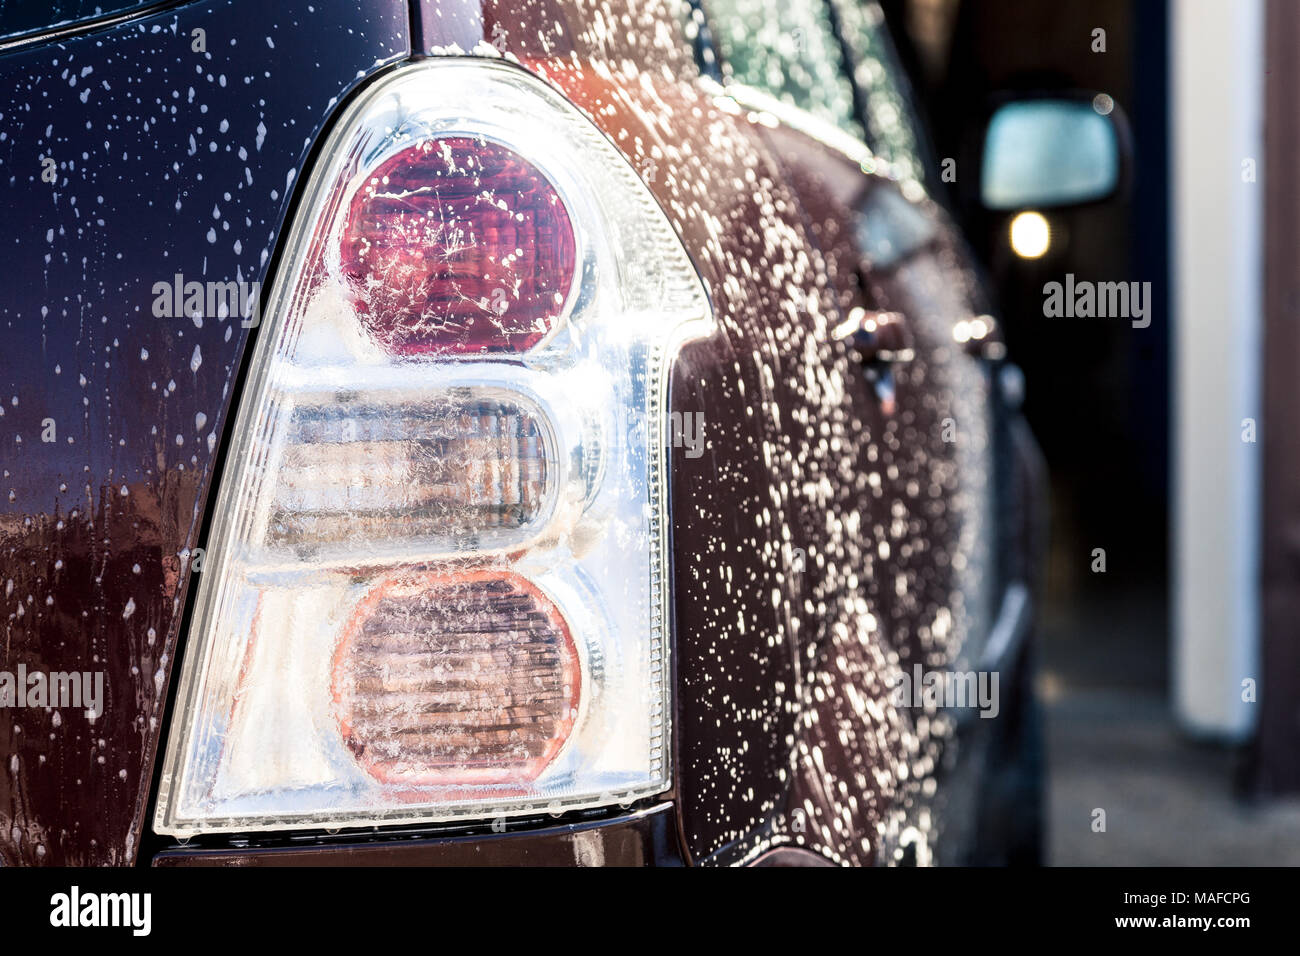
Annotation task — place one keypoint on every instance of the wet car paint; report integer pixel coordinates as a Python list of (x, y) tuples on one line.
[(787, 557), (924, 467), (168, 161), (786, 620)]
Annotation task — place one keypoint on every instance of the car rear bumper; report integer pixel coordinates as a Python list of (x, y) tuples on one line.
[(645, 837)]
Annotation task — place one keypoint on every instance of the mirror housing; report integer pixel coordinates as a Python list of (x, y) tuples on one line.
[(1053, 151)]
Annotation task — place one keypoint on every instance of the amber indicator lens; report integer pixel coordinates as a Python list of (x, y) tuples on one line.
[(456, 680)]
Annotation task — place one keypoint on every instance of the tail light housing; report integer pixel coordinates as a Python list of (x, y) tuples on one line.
[(435, 583)]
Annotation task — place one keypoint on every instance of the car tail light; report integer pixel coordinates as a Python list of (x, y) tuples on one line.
[(434, 586), (473, 243)]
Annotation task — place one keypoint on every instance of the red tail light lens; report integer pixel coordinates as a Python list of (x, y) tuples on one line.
[(458, 246), (458, 680)]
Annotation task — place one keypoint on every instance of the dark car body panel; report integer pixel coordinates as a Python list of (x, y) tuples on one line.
[(166, 159), (787, 553)]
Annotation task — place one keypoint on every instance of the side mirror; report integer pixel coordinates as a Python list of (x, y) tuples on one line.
[(1052, 152)]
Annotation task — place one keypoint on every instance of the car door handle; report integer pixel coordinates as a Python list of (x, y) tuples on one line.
[(876, 338)]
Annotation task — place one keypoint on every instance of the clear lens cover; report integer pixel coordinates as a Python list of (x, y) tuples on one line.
[(435, 585)]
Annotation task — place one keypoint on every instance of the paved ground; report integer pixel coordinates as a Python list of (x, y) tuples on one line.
[(1167, 801), (1111, 744)]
